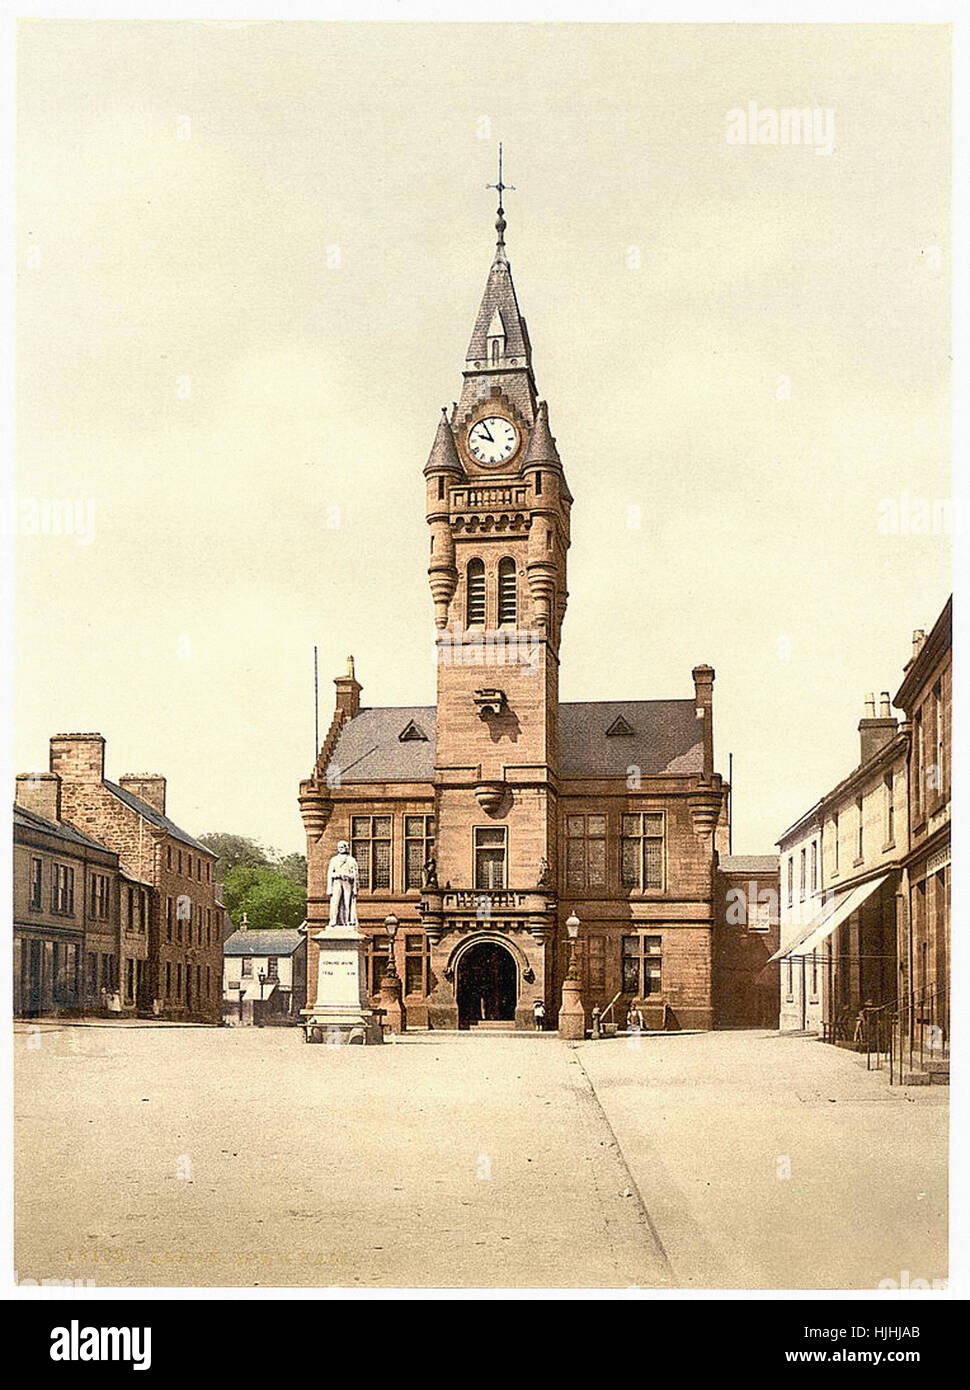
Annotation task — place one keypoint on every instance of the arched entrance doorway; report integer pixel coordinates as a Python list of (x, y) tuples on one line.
[(487, 985)]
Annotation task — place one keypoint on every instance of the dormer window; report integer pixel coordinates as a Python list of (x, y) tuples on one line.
[(412, 733), (496, 339)]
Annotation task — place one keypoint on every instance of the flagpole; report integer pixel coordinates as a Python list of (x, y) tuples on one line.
[(316, 706)]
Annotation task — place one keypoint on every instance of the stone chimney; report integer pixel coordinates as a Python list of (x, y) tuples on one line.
[(78, 757), (39, 792), (704, 706), (875, 731), (148, 786), (348, 692)]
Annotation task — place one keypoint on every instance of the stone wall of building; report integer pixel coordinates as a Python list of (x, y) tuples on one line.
[(182, 975)]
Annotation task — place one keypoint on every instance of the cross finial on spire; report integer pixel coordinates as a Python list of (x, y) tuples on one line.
[(500, 188)]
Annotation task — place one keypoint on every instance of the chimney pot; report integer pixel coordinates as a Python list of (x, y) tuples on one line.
[(876, 731), (870, 706)]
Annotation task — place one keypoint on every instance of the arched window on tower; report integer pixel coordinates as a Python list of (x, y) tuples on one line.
[(475, 595), (507, 606)]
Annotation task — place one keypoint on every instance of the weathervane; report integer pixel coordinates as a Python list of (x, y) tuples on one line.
[(500, 188)]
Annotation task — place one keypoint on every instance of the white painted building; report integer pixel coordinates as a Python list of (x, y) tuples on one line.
[(264, 975), (841, 893), (801, 894)]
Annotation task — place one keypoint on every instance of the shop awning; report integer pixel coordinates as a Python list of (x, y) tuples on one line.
[(829, 918)]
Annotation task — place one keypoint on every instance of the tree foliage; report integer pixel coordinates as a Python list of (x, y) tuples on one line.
[(234, 851), (293, 866), (238, 851), (269, 887), (267, 897)]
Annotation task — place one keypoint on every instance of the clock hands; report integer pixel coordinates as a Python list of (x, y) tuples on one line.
[(485, 430)]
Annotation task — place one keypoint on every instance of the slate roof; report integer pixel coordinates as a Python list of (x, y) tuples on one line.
[(369, 748), (749, 863), (29, 820), (666, 738), (500, 294), (155, 817), (257, 942)]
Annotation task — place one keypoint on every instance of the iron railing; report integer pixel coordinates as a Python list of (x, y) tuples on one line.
[(921, 1036)]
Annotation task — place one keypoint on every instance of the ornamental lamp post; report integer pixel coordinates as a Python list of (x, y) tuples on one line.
[(392, 1003), (391, 925), (572, 931), (572, 1015)]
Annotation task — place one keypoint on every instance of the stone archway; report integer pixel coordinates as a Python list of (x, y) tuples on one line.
[(486, 984)]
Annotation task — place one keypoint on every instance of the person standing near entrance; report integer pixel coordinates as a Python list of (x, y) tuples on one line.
[(539, 1013)]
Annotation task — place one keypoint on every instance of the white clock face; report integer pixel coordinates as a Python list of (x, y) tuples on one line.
[(492, 440)]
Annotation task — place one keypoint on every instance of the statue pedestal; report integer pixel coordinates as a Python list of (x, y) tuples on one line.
[(342, 1012)]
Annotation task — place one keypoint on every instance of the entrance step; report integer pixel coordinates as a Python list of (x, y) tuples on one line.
[(501, 1023), (932, 1074)]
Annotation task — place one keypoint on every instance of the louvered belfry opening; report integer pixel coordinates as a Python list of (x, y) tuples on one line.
[(475, 599), (507, 606)]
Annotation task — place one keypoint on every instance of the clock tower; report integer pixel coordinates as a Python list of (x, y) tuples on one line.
[(489, 827), (498, 512)]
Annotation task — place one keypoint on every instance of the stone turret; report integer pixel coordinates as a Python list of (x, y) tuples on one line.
[(442, 470)]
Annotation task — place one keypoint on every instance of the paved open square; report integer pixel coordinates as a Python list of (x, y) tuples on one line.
[(165, 1155)]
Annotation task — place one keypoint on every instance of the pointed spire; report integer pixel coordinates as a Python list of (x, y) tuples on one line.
[(542, 446), (444, 456), (499, 356), (499, 306)]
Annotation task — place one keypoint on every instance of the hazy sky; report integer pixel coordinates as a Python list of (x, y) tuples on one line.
[(250, 257)]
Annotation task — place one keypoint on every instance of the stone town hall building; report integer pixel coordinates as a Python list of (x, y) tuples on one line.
[(484, 821)]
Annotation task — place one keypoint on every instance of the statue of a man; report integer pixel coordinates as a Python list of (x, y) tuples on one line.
[(342, 887)]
